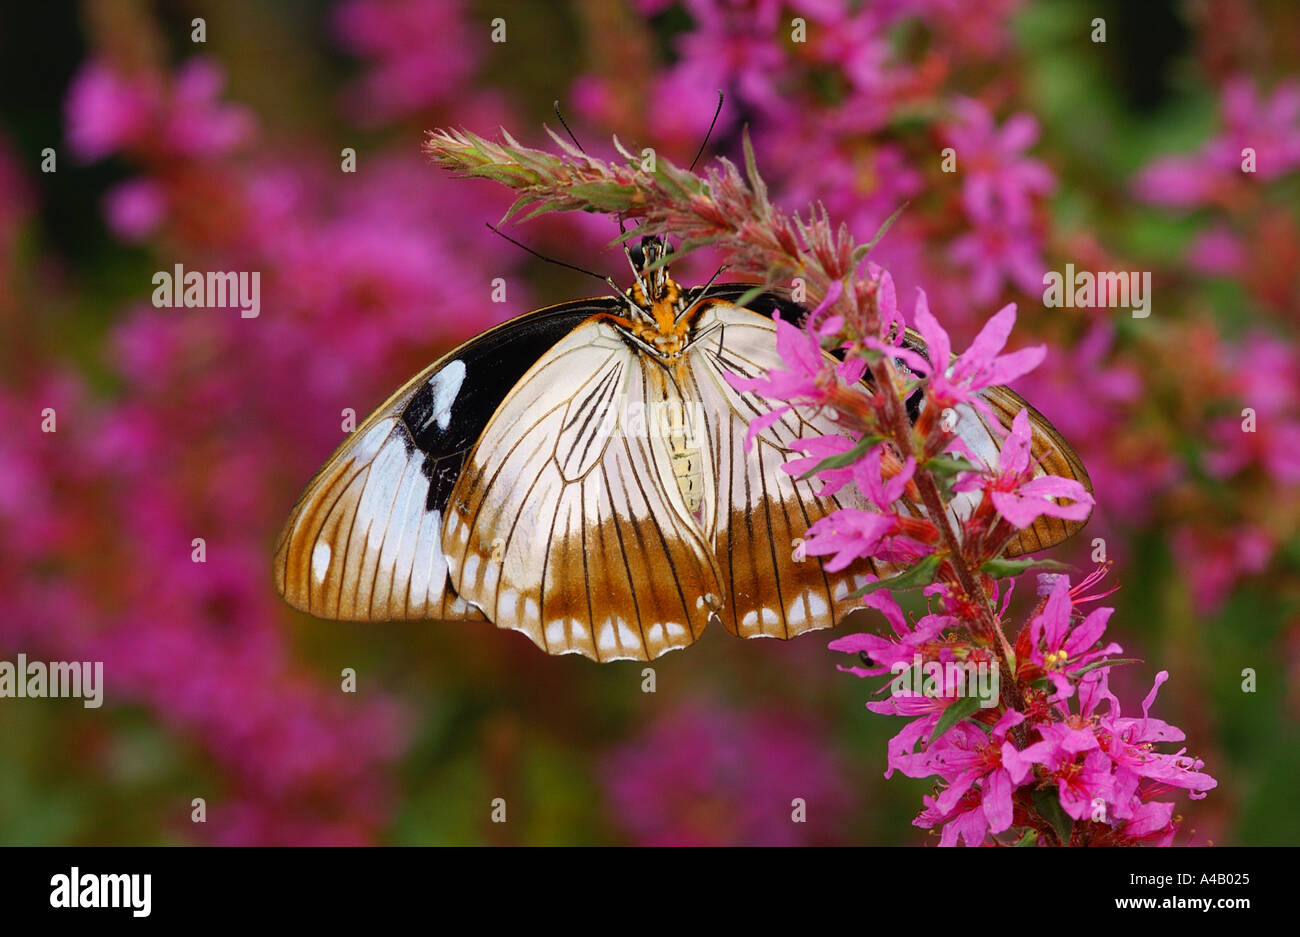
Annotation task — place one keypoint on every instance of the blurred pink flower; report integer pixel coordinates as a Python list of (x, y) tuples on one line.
[(1212, 560), (135, 209), (106, 111), (421, 54), (197, 123), (1176, 182), (999, 182), (994, 255), (1218, 251), (704, 774), (1267, 125)]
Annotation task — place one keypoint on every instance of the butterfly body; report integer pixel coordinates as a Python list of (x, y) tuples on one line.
[(580, 474)]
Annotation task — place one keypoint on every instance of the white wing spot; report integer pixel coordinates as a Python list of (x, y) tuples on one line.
[(445, 385), (320, 561)]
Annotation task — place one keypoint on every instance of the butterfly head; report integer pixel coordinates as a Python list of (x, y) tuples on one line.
[(658, 305)]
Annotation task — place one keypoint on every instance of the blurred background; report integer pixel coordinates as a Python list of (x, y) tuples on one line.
[(175, 424)]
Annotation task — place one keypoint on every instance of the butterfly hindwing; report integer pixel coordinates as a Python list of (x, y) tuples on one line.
[(568, 523), (772, 589)]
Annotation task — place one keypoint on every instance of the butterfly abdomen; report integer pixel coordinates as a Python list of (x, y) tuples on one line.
[(679, 428)]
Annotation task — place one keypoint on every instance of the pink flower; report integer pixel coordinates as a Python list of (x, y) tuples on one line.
[(107, 112), (1218, 251), (883, 494), (886, 533), (1061, 648), (982, 365), (982, 771), (1129, 746), (810, 378), (850, 534), (1176, 182), (1017, 495), (198, 124), (821, 448), (964, 821), (1268, 126), (1103, 767), (421, 53), (887, 652)]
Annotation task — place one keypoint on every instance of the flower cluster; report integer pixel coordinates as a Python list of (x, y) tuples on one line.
[(1046, 731), (1064, 766)]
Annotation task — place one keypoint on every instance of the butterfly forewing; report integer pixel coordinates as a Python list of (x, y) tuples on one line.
[(364, 540)]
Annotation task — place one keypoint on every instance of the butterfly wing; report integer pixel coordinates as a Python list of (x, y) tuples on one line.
[(568, 523), (364, 541), (771, 588)]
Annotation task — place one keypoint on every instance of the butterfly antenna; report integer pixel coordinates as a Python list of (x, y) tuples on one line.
[(565, 125), (700, 291), (705, 142), (549, 260)]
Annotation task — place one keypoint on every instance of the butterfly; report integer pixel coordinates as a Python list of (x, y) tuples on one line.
[(580, 474)]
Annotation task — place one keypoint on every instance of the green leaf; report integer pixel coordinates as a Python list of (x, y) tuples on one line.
[(1113, 662), (950, 465), (1007, 569), (751, 170), (606, 196), (862, 250), (1048, 805), (922, 574), (845, 458), (750, 294), (1029, 839), (955, 713)]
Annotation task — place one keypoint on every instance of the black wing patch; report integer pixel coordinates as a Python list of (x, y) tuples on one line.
[(445, 430)]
